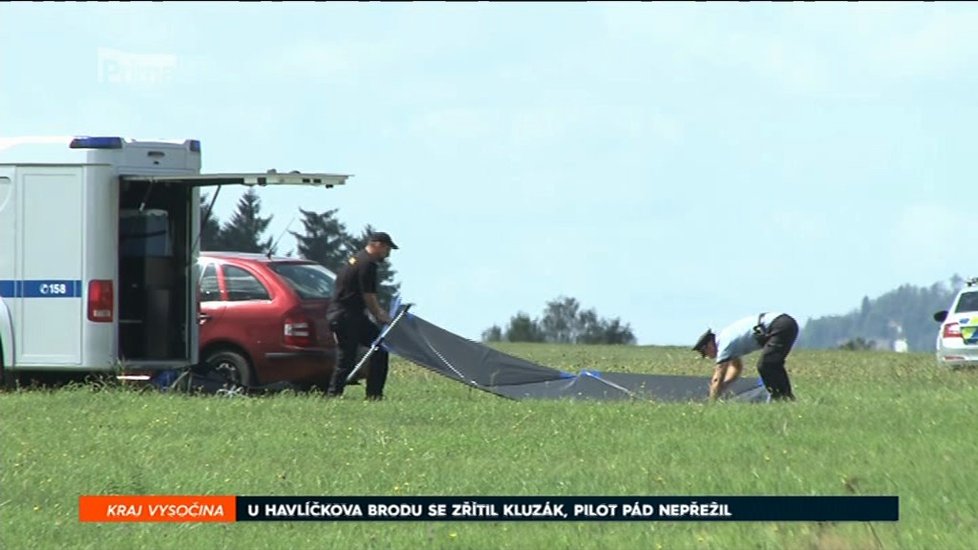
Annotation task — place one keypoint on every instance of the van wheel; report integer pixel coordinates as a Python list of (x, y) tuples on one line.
[(8, 380), (4, 380), (231, 365)]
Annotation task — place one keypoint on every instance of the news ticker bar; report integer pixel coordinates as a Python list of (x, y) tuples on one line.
[(201, 508)]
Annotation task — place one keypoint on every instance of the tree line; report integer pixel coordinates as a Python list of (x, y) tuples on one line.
[(323, 238), (563, 322), (903, 313)]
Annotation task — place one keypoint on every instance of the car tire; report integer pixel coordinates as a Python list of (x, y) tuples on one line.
[(232, 365)]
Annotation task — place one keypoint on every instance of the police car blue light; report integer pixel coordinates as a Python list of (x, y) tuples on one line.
[(195, 145), (96, 143)]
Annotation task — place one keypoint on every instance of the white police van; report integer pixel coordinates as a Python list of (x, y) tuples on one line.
[(99, 238)]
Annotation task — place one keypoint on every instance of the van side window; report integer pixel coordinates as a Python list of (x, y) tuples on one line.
[(242, 285), (209, 290)]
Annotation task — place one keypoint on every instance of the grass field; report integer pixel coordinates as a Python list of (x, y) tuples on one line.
[(867, 423)]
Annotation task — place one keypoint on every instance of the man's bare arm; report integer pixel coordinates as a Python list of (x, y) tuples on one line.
[(374, 306), (724, 374), (716, 383)]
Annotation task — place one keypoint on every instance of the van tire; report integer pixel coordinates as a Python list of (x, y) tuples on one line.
[(8, 378), (3, 373), (234, 366)]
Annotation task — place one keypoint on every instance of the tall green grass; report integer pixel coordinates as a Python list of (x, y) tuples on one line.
[(865, 423)]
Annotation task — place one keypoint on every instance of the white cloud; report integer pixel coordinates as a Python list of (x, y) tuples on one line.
[(933, 237), (714, 37), (830, 49), (449, 125), (542, 124), (583, 121), (315, 59), (136, 27), (527, 128), (937, 44), (805, 225)]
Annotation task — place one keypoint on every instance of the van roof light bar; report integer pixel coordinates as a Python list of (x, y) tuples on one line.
[(96, 143)]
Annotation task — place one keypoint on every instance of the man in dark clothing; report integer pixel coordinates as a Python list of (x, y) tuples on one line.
[(356, 293)]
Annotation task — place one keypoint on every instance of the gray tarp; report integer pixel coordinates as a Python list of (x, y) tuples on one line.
[(490, 370)]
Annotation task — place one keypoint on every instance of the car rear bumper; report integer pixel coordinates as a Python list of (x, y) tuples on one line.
[(303, 366), (958, 357)]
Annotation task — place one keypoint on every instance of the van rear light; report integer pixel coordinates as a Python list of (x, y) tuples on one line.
[(298, 331), (952, 330), (100, 302)]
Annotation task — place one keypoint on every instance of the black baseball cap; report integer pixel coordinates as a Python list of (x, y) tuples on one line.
[(384, 238), (705, 339)]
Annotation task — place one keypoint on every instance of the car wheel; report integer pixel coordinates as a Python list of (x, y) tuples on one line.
[(232, 365)]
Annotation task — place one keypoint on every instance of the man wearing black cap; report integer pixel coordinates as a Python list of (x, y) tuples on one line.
[(356, 293), (772, 333)]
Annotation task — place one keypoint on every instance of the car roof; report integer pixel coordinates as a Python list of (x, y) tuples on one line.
[(971, 285), (253, 257)]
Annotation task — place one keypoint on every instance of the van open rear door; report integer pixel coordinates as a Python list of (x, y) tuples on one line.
[(262, 179), (158, 317)]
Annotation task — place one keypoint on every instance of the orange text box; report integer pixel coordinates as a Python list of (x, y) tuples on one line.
[(156, 508)]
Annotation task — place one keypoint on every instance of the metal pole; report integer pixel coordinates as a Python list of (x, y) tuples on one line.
[(376, 344), (612, 384)]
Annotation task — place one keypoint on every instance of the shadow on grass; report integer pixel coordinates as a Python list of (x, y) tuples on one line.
[(51, 381)]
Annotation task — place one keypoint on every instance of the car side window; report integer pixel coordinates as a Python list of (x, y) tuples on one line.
[(243, 286), (209, 289)]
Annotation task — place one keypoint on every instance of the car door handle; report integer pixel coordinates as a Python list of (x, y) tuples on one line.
[(203, 317)]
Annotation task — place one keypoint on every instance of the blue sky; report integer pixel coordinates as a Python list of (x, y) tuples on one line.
[(675, 165)]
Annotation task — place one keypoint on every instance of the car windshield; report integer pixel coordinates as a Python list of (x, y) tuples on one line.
[(967, 302), (310, 281)]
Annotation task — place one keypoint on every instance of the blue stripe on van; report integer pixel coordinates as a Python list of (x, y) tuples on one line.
[(40, 288)]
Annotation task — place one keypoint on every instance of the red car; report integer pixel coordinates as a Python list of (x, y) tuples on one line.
[(263, 320)]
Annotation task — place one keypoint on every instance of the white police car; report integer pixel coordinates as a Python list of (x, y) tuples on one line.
[(957, 341)]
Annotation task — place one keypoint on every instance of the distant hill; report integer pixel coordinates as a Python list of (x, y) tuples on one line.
[(906, 312)]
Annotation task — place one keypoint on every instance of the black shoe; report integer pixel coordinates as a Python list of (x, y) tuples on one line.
[(374, 398)]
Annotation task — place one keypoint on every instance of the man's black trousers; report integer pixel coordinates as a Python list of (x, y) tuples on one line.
[(351, 332), (780, 336)]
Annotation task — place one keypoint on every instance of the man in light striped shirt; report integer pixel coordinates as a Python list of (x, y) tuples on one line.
[(771, 332)]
